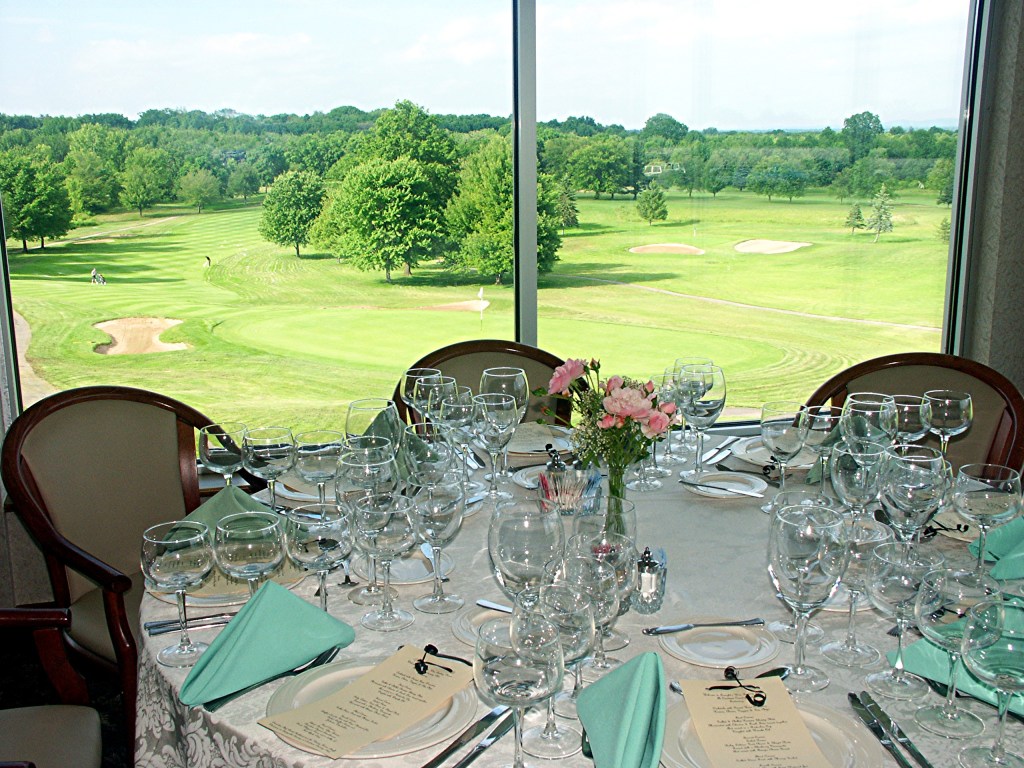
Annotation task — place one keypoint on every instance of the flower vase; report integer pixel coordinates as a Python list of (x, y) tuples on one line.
[(614, 522)]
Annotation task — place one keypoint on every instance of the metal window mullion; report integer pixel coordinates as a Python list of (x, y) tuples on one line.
[(524, 164)]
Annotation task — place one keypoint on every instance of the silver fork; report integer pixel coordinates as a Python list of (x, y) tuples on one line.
[(324, 658)]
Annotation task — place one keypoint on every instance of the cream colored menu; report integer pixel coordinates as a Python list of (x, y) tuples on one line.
[(736, 734), (380, 704)]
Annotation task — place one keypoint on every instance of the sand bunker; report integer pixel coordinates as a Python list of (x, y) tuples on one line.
[(137, 335), (769, 246), (476, 305), (667, 248)]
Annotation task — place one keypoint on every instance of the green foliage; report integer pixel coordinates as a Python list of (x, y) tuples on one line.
[(942, 231), (665, 127), (601, 165), (880, 219), (855, 219), (859, 132), (940, 178), (291, 206), (35, 200), (651, 205), (198, 188), (244, 180), (96, 155), (316, 153), (147, 178), (778, 175), (566, 208)]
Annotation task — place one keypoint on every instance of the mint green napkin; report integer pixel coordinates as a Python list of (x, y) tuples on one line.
[(274, 632), (1005, 544), (624, 714), (226, 501)]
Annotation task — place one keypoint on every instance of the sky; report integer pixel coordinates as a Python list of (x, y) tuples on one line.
[(728, 64)]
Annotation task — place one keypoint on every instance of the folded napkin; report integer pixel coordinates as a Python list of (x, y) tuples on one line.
[(624, 714), (1005, 544), (274, 632), (226, 501)]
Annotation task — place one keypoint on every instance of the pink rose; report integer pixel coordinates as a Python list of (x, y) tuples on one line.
[(608, 421), (667, 408), (656, 424), (565, 375), (615, 382)]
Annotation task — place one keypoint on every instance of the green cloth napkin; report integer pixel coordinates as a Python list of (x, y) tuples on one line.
[(274, 632), (226, 501), (624, 714), (1005, 544)]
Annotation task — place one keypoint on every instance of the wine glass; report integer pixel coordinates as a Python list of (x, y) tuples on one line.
[(914, 483), (807, 554), (618, 552), (248, 545), (456, 413), (318, 537), (783, 431), (268, 452), (176, 556), (316, 458), (986, 495), (220, 448), (667, 393), (523, 537), (374, 416), (822, 423), (993, 651), (952, 414), (517, 673), (428, 450), (856, 471), (495, 417), (868, 417), (895, 571), (384, 527), (409, 380), (940, 613), (609, 515), (682, 391), (572, 613), (506, 380), (863, 535), (429, 391), (437, 515), (702, 394), (913, 417)]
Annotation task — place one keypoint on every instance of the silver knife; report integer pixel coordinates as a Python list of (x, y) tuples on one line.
[(191, 620), (876, 728), (709, 455), (176, 627), (494, 606), (468, 735), (737, 491), (500, 730), (670, 628), (891, 727)]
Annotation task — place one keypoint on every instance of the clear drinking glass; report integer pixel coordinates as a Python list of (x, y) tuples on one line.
[(437, 515), (868, 416), (667, 393), (220, 448), (523, 537), (702, 392), (495, 418), (822, 423), (268, 452), (456, 413), (914, 483), (986, 495), (248, 545), (428, 450), (316, 458), (856, 470), (913, 417), (374, 416), (618, 552), (409, 379), (507, 380), (783, 431), (429, 392), (318, 537), (176, 556), (384, 527), (952, 414)]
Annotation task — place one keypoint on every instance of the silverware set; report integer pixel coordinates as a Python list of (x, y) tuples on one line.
[(886, 730)]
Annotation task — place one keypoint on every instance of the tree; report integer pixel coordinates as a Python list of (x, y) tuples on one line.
[(666, 127), (36, 202), (651, 204), (859, 133), (881, 213), (96, 157), (147, 178), (778, 175), (940, 178), (942, 230), (855, 219), (602, 165), (291, 206), (566, 208), (244, 181), (198, 187)]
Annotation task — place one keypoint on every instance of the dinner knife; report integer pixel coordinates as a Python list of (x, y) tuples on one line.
[(738, 491), (893, 729), (876, 728), (468, 735), (176, 627), (500, 730), (668, 629), (190, 621), (710, 455), (494, 606)]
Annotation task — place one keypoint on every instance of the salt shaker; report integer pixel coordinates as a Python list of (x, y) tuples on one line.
[(650, 587)]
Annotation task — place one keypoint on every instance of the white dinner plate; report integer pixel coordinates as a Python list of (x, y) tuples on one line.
[(527, 446), (741, 481), (753, 451), (412, 569), (467, 622), (841, 740), (221, 590), (319, 682), (950, 520), (721, 646), (528, 477)]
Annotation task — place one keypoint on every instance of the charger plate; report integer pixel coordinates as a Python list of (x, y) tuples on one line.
[(753, 451), (467, 622), (221, 590)]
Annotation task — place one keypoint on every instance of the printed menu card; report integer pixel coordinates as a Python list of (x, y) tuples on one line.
[(380, 704), (737, 733)]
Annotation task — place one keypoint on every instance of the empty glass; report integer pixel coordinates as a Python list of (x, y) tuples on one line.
[(428, 451), (914, 483), (437, 515), (495, 417), (456, 413), (783, 431), (384, 527), (822, 424), (856, 470), (268, 452), (986, 495), (417, 410), (702, 396), (952, 413), (523, 537), (429, 392), (248, 545), (220, 448), (868, 416), (507, 380), (316, 458), (318, 537), (374, 416), (913, 417)]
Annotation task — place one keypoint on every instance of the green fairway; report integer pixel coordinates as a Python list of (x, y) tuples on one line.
[(273, 338)]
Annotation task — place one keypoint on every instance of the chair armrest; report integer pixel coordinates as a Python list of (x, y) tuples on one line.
[(48, 626), (34, 618)]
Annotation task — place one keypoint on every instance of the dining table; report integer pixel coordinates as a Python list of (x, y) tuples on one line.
[(715, 547)]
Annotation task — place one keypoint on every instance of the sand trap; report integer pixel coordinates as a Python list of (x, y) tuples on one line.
[(476, 305), (667, 248), (769, 246), (137, 335)]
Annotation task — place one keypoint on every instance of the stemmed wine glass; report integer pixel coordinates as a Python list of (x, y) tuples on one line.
[(682, 391), (952, 414), (176, 556), (572, 613), (702, 394), (914, 483), (856, 469), (316, 458), (822, 423), (618, 552), (913, 417), (416, 409), (507, 380), (437, 515), (993, 651), (318, 537), (783, 431), (895, 571), (940, 613), (807, 554), (220, 448), (428, 450), (523, 537), (986, 495), (495, 417), (268, 452), (868, 417), (456, 413), (517, 668), (374, 416), (384, 527), (863, 535), (429, 392), (248, 545), (667, 393)]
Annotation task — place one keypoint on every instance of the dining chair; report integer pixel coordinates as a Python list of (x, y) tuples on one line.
[(466, 360), (87, 471), (997, 433), (51, 735)]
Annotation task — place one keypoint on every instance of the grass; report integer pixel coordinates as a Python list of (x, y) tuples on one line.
[(273, 338)]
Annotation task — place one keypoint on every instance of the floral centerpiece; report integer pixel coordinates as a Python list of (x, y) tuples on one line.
[(616, 421)]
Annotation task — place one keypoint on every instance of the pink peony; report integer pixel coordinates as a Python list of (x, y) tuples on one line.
[(615, 382), (627, 403), (565, 375), (656, 424), (608, 421)]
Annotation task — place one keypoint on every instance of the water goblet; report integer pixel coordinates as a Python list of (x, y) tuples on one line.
[(429, 391), (783, 431), (507, 380), (220, 448), (952, 414), (993, 651), (384, 527), (863, 535), (856, 468), (495, 417), (807, 554), (645, 473), (682, 391), (986, 495), (248, 545), (943, 601), (268, 452), (518, 674), (702, 394), (523, 537), (895, 571), (318, 537), (428, 450), (667, 393), (374, 416), (316, 458), (914, 483), (456, 413), (408, 392), (176, 556), (868, 417), (822, 423), (913, 417), (619, 553), (437, 515)]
